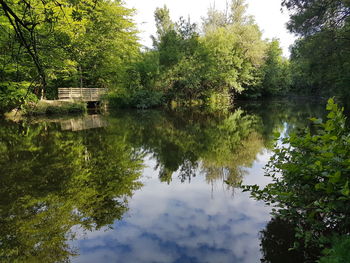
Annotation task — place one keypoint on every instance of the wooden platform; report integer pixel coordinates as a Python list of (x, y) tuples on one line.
[(82, 94)]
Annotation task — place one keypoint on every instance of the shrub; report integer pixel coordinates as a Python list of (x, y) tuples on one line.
[(310, 175), (144, 99)]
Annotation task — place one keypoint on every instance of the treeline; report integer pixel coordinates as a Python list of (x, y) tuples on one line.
[(48, 44), (223, 58), (226, 57)]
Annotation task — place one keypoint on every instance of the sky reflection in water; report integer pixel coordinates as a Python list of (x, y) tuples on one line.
[(183, 222)]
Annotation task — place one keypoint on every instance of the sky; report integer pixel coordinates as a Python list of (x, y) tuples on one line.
[(267, 14)]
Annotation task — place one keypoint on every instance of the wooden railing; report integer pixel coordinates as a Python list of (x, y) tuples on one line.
[(82, 94)]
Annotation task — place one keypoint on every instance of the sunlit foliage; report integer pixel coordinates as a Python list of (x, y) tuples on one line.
[(310, 187)]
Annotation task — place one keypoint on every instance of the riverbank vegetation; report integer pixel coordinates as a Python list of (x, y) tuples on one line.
[(310, 187)]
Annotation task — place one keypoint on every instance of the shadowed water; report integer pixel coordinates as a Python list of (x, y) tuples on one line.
[(141, 186)]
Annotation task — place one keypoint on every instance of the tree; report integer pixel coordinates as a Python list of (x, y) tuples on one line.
[(320, 58), (104, 51), (164, 24), (66, 44), (276, 73), (235, 49), (313, 16)]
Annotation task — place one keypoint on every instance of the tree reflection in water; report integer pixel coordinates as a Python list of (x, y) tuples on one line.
[(278, 238), (216, 145), (52, 180)]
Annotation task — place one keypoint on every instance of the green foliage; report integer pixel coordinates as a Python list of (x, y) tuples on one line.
[(230, 68), (310, 184), (163, 23), (70, 44), (94, 44), (339, 252), (187, 66), (312, 16), (320, 58), (11, 96), (141, 99), (147, 68), (277, 79)]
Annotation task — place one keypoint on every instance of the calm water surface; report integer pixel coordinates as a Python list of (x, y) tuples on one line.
[(141, 186)]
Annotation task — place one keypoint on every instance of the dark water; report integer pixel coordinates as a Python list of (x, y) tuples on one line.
[(149, 186)]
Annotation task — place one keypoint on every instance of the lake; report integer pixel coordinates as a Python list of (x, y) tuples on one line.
[(143, 186)]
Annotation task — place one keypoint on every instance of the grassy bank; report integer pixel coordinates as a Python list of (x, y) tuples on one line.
[(53, 107)]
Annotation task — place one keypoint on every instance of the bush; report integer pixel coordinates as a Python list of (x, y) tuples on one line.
[(144, 99), (310, 174)]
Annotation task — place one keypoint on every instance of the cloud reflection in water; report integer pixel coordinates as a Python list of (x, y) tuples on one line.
[(183, 222)]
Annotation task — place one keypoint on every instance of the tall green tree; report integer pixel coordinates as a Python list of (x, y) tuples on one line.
[(320, 58), (236, 48), (276, 71), (164, 24)]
